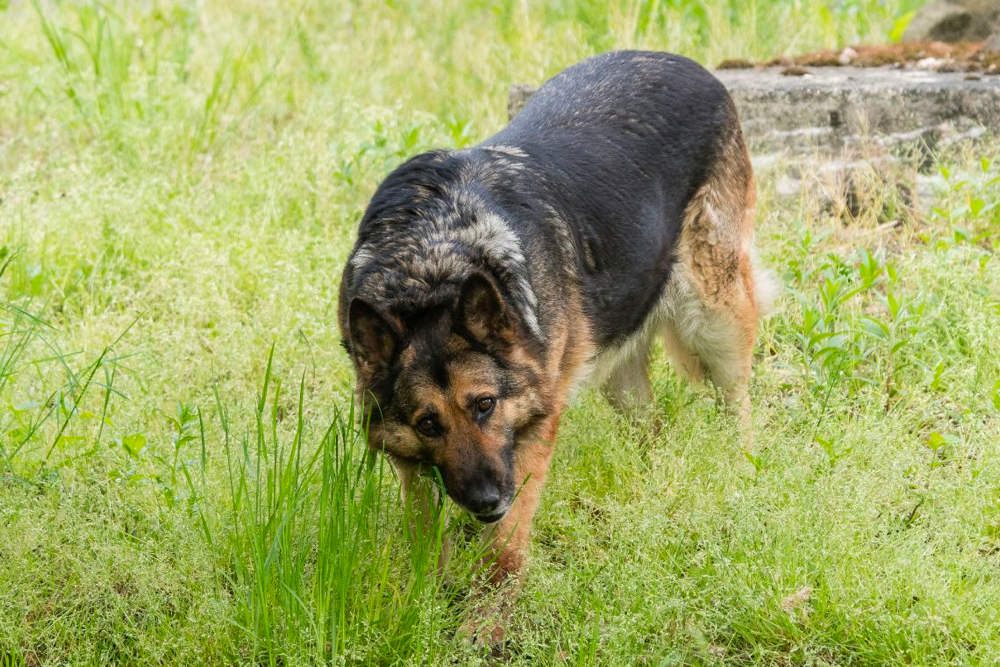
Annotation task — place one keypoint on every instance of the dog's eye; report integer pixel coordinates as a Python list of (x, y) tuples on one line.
[(429, 427), (485, 405)]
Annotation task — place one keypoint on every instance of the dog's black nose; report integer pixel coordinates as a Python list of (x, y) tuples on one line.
[(483, 499)]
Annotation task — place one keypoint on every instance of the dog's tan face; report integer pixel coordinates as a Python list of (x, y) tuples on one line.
[(451, 389)]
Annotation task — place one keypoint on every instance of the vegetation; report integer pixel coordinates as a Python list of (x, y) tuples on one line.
[(181, 480)]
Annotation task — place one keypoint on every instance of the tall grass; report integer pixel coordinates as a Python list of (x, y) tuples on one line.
[(18, 330), (317, 555)]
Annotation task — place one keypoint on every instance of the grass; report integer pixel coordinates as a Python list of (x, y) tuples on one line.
[(180, 478)]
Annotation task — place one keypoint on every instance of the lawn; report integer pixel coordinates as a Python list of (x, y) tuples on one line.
[(181, 480)]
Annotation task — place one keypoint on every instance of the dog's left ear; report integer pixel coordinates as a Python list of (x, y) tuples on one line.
[(482, 310), (374, 339)]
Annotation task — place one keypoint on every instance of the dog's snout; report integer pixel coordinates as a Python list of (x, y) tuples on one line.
[(483, 486), (484, 498)]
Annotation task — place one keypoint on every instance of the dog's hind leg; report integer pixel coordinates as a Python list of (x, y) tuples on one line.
[(717, 292), (685, 361), (705, 339)]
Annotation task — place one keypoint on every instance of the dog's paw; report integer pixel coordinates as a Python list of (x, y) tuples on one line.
[(489, 633), (486, 626)]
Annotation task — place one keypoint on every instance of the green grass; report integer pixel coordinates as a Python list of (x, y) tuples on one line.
[(179, 187)]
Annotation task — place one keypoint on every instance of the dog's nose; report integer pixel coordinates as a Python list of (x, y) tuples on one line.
[(483, 499)]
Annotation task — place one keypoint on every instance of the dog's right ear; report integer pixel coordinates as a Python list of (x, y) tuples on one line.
[(482, 310), (374, 340)]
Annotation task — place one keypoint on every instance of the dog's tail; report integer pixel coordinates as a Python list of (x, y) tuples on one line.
[(766, 286)]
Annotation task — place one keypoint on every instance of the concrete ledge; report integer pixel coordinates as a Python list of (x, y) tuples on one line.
[(832, 109)]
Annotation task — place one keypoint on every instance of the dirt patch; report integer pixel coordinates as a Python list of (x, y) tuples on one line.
[(933, 56), (735, 63), (794, 70)]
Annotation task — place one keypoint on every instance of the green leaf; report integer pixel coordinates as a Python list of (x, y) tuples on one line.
[(898, 346), (69, 440), (760, 462), (899, 26), (817, 338), (828, 350), (938, 372), (827, 446), (134, 444), (874, 327), (976, 206), (937, 440)]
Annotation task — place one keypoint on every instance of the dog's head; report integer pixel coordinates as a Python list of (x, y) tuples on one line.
[(451, 386)]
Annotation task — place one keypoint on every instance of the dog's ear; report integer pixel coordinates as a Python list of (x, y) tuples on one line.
[(482, 310), (374, 340)]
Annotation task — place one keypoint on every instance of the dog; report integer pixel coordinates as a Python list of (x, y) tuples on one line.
[(488, 284)]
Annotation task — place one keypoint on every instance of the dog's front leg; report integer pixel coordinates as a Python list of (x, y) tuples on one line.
[(509, 539)]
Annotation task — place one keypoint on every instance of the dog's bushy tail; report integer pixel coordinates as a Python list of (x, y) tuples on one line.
[(766, 286)]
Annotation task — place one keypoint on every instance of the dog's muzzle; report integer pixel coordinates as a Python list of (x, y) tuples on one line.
[(492, 518)]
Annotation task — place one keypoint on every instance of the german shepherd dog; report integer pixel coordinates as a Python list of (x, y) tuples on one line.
[(489, 283)]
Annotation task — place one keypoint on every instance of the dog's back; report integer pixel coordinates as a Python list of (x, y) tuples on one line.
[(625, 140)]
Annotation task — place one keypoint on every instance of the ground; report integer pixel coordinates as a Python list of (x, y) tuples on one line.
[(179, 187)]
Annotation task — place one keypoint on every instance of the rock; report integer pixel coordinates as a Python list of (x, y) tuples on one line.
[(992, 45), (985, 18), (933, 64), (518, 97), (954, 21), (941, 20), (847, 56)]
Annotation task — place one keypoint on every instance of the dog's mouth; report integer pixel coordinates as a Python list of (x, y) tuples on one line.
[(491, 518)]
